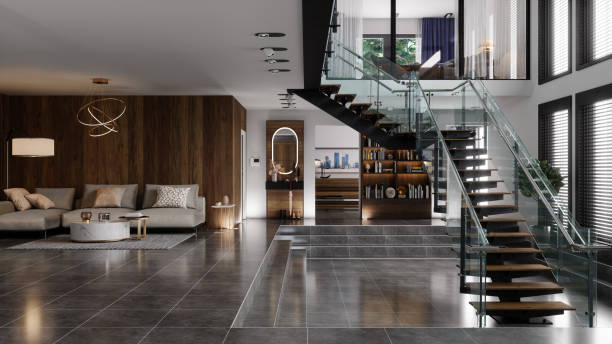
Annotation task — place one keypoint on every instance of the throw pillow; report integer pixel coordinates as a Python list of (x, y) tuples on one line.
[(171, 197), (40, 201), (17, 196), (108, 197)]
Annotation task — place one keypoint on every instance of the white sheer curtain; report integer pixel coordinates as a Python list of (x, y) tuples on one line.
[(495, 39), (350, 34)]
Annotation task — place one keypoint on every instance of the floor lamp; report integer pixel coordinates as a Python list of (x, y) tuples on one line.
[(27, 147)]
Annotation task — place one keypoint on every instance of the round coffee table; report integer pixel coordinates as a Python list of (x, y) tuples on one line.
[(99, 231)]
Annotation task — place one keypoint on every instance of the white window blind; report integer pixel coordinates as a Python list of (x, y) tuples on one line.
[(595, 182), (602, 28), (554, 145), (560, 36)]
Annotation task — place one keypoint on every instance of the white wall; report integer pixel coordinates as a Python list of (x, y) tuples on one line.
[(380, 26), (256, 147)]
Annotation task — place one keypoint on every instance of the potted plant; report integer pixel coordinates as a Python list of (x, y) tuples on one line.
[(552, 173)]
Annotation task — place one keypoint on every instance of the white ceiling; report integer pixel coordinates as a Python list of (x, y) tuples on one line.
[(408, 8), (154, 47)]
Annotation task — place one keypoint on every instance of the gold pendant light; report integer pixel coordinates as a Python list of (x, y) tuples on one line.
[(101, 113)]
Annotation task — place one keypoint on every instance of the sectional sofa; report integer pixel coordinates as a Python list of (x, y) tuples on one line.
[(64, 214)]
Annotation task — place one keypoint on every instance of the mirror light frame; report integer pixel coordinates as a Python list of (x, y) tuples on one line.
[(297, 149)]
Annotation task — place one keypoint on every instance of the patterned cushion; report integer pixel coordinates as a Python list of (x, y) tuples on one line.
[(40, 201), (17, 196), (171, 197), (109, 197)]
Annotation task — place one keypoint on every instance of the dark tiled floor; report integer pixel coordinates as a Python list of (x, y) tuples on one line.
[(192, 293)]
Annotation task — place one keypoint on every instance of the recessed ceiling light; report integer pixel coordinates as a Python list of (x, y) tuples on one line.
[(278, 70), (269, 34), (274, 48), (271, 61)]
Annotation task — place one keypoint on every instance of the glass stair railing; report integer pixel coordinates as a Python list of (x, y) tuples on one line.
[(520, 257), (531, 210), (400, 107)]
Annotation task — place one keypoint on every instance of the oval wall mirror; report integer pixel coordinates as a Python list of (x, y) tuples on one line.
[(285, 150)]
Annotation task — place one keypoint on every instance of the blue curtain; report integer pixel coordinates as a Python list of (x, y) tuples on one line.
[(438, 35)]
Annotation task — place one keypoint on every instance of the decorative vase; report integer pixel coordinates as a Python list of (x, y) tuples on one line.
[(225, 200), (86, 216)]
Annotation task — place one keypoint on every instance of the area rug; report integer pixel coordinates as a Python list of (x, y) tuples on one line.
[(62, 242)]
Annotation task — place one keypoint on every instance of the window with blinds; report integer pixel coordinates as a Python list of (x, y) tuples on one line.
[(594, 34), (594, 163), (554, 39), (554, 141)]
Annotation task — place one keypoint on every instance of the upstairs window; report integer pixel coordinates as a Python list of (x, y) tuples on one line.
[(594, 34), (554, 39)]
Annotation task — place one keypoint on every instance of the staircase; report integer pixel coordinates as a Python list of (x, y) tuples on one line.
[(520, 257)]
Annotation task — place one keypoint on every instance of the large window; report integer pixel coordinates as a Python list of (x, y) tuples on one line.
[(407, 52), (494, 39), (594, 34), (554, 140), (554, 41), (594, 161)]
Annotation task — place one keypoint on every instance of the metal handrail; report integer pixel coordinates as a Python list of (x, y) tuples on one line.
[(432, 90), (558, 222)]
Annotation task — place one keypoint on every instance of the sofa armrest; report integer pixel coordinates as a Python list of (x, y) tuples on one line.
[(202, 207), (6, 207)]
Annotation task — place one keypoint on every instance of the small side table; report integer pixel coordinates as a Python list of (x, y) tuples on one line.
[(142, 222), (222, 216)]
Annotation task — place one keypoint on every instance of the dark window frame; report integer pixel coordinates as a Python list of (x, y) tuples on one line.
[(584, 33), (545, 47), (547, 109), (584, 99)]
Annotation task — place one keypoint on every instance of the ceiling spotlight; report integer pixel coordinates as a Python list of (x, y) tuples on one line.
[(270, 51), (271, 61), (278, 70), (269, 34)]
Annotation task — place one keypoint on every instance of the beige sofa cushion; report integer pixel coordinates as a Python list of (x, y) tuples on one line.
[(40, 201), (173, 217), (171, 197), (33, 219), (128, 200), (150, 195), (17, 196), (62, 197), (75, 215), (109, 198)]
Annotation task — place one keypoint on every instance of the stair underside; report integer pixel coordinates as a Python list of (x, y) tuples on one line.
[(519, 286)]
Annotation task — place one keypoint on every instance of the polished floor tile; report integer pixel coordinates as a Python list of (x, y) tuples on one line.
[(211, 335), (92, 335), (266, 336), (347, 336)]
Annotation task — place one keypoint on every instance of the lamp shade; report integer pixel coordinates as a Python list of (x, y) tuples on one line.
[(33, 147)]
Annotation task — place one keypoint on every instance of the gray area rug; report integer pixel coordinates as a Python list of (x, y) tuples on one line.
[(62, 242)]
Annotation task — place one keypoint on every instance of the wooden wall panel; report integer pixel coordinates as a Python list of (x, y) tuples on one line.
[(161, 140)]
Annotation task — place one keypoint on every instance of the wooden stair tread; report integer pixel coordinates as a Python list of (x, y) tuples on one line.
[(330, 88), (495, 206), (515, 250), (499, 286), (502, 219), (509, 235), (468, 139), (471, 159), (514, 268), (345, 97), (359, 107), (478, 169), (525, 306), (457, 130), (491, 193)]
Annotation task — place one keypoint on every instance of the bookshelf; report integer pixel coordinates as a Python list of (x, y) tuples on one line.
[(402, 171)]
